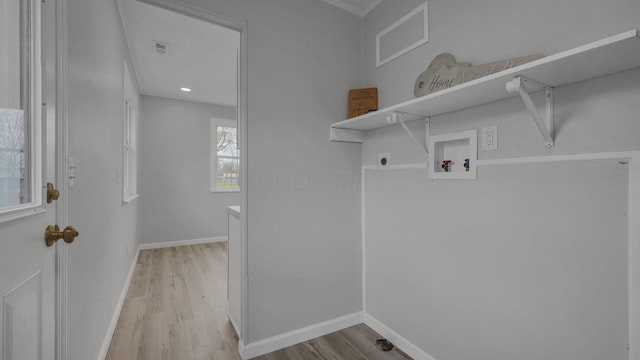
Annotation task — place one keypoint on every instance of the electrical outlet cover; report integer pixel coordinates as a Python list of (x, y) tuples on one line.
[(489, 138)]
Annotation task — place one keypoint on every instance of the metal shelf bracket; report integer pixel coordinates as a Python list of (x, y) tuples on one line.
[(524, 86), (396, 116)]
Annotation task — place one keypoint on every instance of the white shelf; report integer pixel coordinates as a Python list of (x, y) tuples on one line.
[(605, 57)]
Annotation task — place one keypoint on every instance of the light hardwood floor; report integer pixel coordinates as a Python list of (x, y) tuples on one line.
[(176, 309), (354, 343)]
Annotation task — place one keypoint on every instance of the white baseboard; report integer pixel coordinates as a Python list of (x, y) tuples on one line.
[(166, 244), (297, 336), (403, 344), (116, 314), (235, 326), (241, 349)]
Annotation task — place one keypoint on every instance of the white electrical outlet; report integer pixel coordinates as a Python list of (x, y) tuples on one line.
[(384, 160), (489, 138)]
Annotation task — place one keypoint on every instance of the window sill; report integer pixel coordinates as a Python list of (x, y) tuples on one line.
[(218, 191), (129, 199), (22, 213)]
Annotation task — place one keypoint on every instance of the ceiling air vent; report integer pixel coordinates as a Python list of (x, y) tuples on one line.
[(160, 47)]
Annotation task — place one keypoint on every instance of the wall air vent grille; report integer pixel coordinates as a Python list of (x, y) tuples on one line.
[(160, 47)]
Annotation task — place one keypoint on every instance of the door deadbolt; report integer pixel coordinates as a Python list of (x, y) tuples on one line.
[(53, 234), (52, 193)]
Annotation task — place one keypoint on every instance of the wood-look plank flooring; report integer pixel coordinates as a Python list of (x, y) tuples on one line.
[(176, 309), (354, 343)]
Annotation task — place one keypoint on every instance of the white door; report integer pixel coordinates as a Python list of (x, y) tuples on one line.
[(27, 164)]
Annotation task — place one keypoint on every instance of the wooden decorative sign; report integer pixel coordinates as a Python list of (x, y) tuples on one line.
[(444, 72), (362, 101)]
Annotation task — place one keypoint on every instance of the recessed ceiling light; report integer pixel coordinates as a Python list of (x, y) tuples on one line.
[(185, 89)]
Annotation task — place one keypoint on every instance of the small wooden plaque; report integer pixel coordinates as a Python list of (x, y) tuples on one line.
[(362, 101)]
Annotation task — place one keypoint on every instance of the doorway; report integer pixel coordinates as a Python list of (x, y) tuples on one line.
[(172, 167)]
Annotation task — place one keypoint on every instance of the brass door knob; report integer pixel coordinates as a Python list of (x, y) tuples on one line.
[(53, 234)]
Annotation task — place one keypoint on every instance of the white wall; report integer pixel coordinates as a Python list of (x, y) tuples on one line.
[(527, 262), (304, 228), (303, 212), (100, 258), (481, 268), (175, 202)]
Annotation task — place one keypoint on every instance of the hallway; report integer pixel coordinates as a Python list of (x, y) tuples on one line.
[(176, 307)]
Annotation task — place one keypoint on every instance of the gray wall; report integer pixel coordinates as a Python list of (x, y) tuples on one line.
[(527, 262), (483, 263), (304, 209), (100, 258), (175, 201)]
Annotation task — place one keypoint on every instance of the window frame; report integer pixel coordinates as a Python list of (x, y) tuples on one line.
[(34, 126), (213, 165), (130, 126)]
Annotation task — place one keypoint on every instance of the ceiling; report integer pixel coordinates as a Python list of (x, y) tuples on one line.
[(358, 7), (201, 56)]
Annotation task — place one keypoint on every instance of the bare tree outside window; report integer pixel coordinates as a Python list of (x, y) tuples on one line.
[(226, 139), (15, 99), (12, 158), (228, 159)]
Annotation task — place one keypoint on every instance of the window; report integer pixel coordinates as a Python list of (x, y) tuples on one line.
[(225, 156), (20, 128), (130, 139)]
